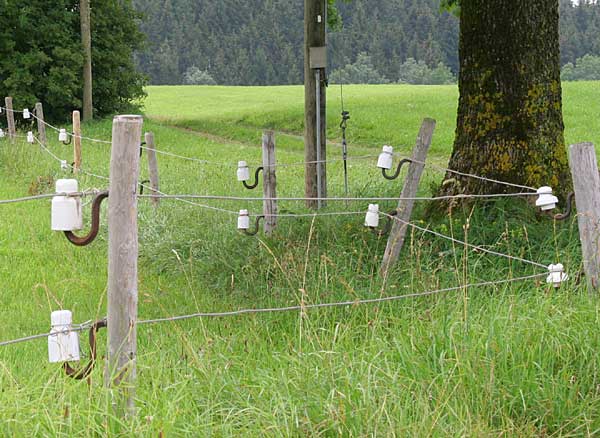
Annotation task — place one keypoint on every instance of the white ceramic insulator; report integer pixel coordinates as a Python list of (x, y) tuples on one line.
[(557, 275), (386, 158), (1, 133), (26, 114), (66, 210), (62, 135), (63, 345), (64, 165), (244, 220), (243, 173), (546, 200), (30, 138), (372, 217)]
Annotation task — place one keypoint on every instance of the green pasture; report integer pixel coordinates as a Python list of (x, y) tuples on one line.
[(506, 360)]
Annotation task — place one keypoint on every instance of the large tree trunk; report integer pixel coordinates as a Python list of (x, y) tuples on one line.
[(510, 124)]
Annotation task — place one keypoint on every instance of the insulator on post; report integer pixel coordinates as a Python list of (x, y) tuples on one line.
[(546, 200), (372, 217), (26, 114), (386, 158), (66, 210), (244, 220), (2, 135), (64, 165), (243, 173), (63, 344), (30, 138), (62, 135), (557, 275)]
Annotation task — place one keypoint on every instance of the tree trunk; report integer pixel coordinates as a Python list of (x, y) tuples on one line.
[(509, 124)]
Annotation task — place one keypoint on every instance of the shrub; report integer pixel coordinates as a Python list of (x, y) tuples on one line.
[(361, 72), (195, 76), (586, 68)]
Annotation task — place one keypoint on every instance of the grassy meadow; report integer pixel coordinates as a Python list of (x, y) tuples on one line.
[(506, 360)]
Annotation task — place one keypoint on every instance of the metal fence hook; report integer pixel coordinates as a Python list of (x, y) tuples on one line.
[(256, 227), (86, 240), (398, 170), (253, 186), (388, 225), (567, 213), (86, 371)]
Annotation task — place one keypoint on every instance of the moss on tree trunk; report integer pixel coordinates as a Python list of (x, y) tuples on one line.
[(510, 124)]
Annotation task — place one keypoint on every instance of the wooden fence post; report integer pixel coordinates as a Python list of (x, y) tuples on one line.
[(76, 141), (39, 114), (405, 207), (269, 182), (152, 167), (586, 181), (10, 119), (122, 262)]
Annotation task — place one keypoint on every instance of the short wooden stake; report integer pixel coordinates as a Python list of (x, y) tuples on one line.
[(405, 207), (586, 181), (39, 114), (76, 141), (269, 182), (122, 262), (10, 119), (152, 166)]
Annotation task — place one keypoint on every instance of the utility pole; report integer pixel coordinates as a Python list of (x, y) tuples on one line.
[(86, 42), (315, 105)]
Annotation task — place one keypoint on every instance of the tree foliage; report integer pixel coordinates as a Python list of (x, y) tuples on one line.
[(584, 69), (42, 56), (360, 72)]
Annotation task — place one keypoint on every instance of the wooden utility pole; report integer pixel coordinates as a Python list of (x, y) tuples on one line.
[(152, 167), (39, 114), (315, 133), (122, 262), (586, 182), (76, 141), (86, 42), (10, 119), (405, 205), (269, 182)]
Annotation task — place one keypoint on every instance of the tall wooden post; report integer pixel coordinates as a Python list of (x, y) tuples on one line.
[(122, 262), (39, 114), (86, 41), (152, 167), (76, 141), (315, 61), (586, 181), (405, 206), (269, 182), (10, 119)]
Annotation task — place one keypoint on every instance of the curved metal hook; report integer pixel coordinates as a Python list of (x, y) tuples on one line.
[(70, 137), (146, 181), (256, 226), (567, 213), (253, 186), (388, 225), (87, 370), (86, 240), (141, 148), (395, 175)]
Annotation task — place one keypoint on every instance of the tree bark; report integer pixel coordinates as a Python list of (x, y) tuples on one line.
[(509, 124)]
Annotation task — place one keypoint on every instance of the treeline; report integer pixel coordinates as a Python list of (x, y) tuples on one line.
[(259, 42)]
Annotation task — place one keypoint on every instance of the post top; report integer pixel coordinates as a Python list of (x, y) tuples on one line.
[(128, 118), (61, 317)]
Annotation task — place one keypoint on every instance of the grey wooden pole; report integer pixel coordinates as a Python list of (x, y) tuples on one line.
[(269, 182), (586, 182), (405, 207), (76, 141), (122, 262), (39, 114), (152, 166), (10, 119)]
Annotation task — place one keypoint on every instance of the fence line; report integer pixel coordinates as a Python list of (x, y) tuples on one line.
[(301, 307)]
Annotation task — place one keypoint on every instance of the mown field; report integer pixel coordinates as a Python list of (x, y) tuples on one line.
[(504, 360)]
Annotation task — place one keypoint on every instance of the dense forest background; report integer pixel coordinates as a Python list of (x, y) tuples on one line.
[(259, 42)]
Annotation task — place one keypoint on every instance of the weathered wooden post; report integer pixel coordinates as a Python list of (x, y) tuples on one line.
[(122, 262), (152, 166), (405, 206), (10, 119), (39, 114), (76, 141), (269, 182), (586, 182)]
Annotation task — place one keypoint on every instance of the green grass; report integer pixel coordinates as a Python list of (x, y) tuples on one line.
[(509, 360)]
